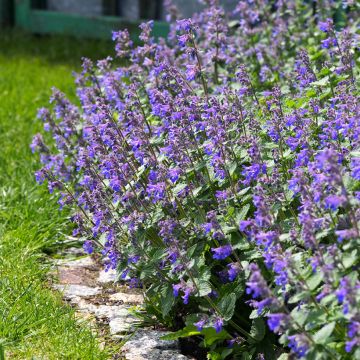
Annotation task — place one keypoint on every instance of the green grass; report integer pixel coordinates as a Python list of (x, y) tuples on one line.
[(34, 323)]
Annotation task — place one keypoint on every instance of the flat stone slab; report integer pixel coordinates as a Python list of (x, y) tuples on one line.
[(71, 291), (72, 252), (76, 275), (155, 354), (122, 322), (145, 344), (107, 277), (103, 311), (127, 298), (85, 262)]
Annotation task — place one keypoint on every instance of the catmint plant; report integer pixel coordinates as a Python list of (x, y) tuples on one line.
[(218, 171)]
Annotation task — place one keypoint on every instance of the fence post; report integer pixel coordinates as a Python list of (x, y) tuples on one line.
[(22, 14), (5, 15)]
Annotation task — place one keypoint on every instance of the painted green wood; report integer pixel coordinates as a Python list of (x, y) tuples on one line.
[(22, 12), (4, 15), (53, 22)]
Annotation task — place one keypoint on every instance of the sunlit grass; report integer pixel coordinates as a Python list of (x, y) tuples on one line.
[(34, 323)]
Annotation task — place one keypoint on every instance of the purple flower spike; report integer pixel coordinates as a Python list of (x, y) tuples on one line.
[(88, 246), (218, 324), (176, 289), (221, 252), (200, 324)]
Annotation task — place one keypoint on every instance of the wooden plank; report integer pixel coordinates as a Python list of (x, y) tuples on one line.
[(5, 16), (22, 12), (51, 22)]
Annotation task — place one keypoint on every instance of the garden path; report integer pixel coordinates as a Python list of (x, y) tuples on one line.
[(106, 304)]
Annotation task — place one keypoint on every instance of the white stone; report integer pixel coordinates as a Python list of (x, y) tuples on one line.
[(107, 277), (127, 298), (155, 354), (70, 290), (123, 322), (145, 344), (86, 261)]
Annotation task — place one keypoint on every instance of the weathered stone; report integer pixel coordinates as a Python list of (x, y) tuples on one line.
[(107, 277), (103, 311), (122, 322), (86, 262), (72, 290), (72, 252), (76, 275), (155, 354), (127, 298), (146, 344)]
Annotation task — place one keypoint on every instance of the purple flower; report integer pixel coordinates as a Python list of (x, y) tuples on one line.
[(88, 246), (221, 195), (233, 270), (244, 225), (174, 174), (200, 324), (299, 344), (355, 165), (192, 71), (252, 172), (207, 227), (185, 297), (218, 324), (278, 322), (325, 26), (184, 24), (346, 234), (221, 252), (333, 202), (354, 335), (176, 289)]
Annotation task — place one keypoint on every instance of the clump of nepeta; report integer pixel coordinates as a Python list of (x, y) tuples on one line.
[(219, 171)]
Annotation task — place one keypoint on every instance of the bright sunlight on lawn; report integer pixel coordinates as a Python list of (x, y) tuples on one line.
[(33, 321)]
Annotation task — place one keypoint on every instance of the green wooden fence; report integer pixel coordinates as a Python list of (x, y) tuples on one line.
[(52, 22)]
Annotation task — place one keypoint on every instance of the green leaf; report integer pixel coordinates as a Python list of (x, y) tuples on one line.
[(179, 187), (185, 332), (241, 215), (349, 259), (254, 314), (258, 329), (314, 281), (210, 336), (204, 287), (324, 333), (227, 306), (167, 299), (297, 297), (212, 355), (225, 353), (322, 82), (299, 315)]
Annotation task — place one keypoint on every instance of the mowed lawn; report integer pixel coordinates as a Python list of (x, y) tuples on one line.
[(34, 323)]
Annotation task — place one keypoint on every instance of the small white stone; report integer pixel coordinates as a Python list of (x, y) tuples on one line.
[(146, 344), (127, 298), (122, 322), (70, 290), (107, 277), (86, 261)]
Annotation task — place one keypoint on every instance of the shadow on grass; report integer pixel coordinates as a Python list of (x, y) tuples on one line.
[(54, 49)]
